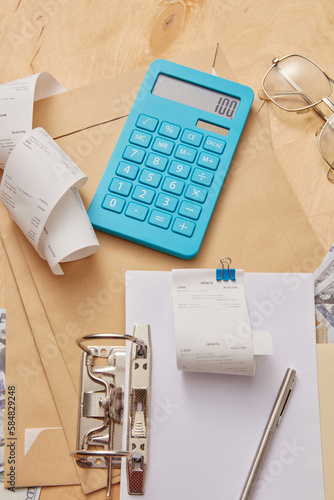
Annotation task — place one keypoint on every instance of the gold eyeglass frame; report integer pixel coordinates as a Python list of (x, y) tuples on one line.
[(311, 105)]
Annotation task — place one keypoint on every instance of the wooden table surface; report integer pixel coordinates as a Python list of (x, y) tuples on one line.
[(84, 41), (81, 41)]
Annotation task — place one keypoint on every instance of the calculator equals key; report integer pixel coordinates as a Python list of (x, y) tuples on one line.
[(167, 169)]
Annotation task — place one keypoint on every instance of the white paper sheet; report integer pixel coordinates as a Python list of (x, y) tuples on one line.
[(205, 428), (211, 322)]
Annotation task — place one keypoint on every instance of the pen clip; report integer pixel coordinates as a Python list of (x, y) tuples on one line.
[(285, 403)]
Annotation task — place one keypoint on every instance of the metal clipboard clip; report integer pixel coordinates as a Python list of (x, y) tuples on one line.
[(101, 406), (225, 273)]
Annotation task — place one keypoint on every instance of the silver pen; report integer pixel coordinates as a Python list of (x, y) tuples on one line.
[(273, 421)]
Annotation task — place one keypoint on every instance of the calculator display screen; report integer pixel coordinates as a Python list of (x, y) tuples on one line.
[(196, 96)]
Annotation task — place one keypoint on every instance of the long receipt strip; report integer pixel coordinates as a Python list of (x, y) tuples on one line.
[(40, 182), (212, 327)]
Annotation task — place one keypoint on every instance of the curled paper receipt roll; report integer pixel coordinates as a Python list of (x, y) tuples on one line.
[(40, 182)]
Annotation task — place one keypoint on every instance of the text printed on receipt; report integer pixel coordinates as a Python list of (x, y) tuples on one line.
[(212, 327)]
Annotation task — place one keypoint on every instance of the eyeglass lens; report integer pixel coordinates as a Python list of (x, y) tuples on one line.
[(295, 83)]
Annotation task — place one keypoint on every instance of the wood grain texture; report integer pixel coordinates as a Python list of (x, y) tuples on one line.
[(84, 41), (81, 41)]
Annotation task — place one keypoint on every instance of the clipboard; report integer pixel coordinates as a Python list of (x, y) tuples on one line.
[(206, 427)]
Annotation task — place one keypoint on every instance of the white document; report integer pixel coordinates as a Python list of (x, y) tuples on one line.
[(40, 182), (212, 328), (205, 428)]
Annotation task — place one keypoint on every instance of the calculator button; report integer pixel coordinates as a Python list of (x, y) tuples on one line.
[(163, 146), (214, 145), (147, 123), (185, 153), (196, 193), (127, 170), (184, 227), (202, 177), (191, 137), (172, 186), (208, 161), (169, 130), (136, 211), (113, 203), (140, 138), (150, 178), (190, 210), (159, 219), (179, 169), (166, 202), (143, 194), (156, 162), (120, 187), (134, 154)]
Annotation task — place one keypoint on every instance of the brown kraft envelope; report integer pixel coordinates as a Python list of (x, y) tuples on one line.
[(257, 221)]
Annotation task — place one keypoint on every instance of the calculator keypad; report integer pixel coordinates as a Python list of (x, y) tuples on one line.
[(164, 176)]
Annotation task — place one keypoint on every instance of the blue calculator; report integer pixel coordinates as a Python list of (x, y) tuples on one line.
[(167, 169)]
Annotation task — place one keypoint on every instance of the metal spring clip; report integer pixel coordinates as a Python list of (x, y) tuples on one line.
[(101, 406), (225, 274)]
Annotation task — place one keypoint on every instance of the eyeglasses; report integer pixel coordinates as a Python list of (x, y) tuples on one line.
[(295, 83)]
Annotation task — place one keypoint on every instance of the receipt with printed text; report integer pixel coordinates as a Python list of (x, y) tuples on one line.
[(39, 188), (16, 105), (212, 326), (40, 182)]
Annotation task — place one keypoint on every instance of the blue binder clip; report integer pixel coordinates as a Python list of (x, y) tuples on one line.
[(225, 273)]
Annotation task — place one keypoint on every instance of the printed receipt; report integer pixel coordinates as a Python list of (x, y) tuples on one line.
[(16, 108), (40, 182), (212, 326)]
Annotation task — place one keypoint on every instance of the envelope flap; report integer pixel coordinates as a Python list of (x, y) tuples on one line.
[(56, 468), (88, 106), (104, 101)]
